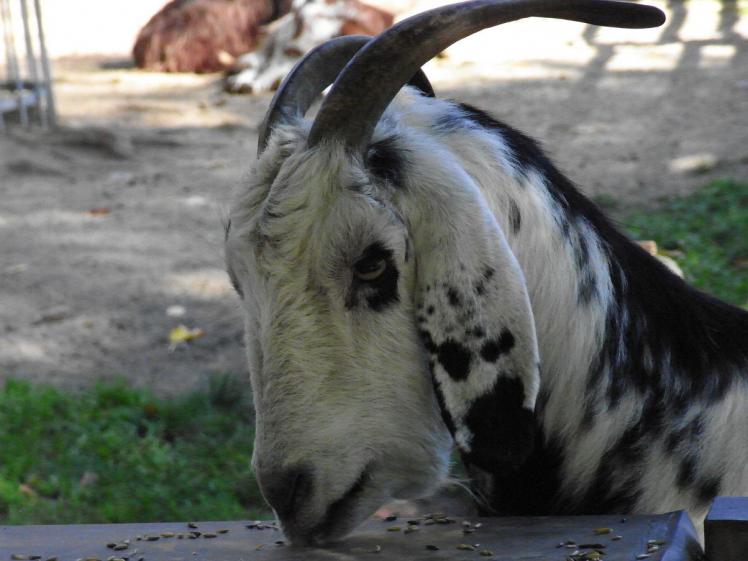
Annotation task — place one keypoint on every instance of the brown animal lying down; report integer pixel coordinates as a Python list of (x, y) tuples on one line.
[(209, 35)]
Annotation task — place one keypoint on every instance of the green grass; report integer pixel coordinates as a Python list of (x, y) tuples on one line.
[(116, 454), (706, 233)]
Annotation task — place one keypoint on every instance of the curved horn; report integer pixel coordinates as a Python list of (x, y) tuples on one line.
[(311, 75), (373, 77)]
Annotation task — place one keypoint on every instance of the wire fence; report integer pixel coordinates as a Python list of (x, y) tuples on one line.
[(25, 78)]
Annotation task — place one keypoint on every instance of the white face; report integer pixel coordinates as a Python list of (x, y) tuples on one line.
[(347, 417)]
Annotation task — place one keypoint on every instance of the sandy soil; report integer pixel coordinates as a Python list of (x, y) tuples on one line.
[(115, 218)]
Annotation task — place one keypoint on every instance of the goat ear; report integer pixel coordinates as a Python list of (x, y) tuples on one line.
[(475, 320)]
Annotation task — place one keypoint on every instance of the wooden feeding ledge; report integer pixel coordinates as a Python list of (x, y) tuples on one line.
[(663, 537)]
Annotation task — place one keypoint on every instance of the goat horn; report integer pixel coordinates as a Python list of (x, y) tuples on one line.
[(311, 75), (373, 77)]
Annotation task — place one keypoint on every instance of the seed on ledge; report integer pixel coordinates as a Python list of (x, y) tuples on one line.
[(223, 531), (477, 525), (414, 522), (432, 547), (428, 522), (393, 529), (643, 556), (35, 557), (209, 535), (152, 538), (602, 531), (191, 525), (19, 557), (120, 547), (259, 547), (465, 547), (410, 529), (616, 538), (656, 542), (486, 552), (111, 545), (167, 534), (390, 518), (51, 558), (280, 542)]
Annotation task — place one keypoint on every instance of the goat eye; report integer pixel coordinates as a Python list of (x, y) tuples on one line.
[(369, 269)]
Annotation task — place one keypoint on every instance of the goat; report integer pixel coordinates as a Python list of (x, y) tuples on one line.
[(308, 24), (414, 274), (192, 35)]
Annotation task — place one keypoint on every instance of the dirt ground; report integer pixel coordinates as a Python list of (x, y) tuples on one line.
[(111, 227)]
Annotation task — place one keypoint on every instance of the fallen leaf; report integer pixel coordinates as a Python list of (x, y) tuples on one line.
[(183, 334)]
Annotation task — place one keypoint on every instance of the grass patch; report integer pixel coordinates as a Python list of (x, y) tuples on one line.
[(117, 454), (706, 233)]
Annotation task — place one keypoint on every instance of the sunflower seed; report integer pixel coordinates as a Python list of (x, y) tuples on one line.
[(486, 552), (465, 547), (167, 534), (414, 522), (656, 542), (432, 547), (280, 542), (223, 531), (259, 547), (390, 518), (120, 547), (35, 557), (428, 522), (602, 531), (111, 545), (616, 538), (152, 538), (393, 529), (51, 558), (410, 529), (643, 556), (19, 557), (210, 535), (191, 525)]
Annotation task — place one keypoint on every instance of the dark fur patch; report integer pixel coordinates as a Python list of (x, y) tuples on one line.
[(428, 341), (446, 417), (386, 161), (454, 297), (708, 488), (494, 348), (515, 217), (430, 310), (455, 358), (503, 431)]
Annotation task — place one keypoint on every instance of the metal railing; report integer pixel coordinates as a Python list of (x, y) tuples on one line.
[(25, 80)]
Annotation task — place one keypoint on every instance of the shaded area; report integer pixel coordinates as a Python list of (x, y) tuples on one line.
[(104, 230)]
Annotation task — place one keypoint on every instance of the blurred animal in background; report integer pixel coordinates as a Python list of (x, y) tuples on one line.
[(256, 41), (200, 35), (308, 24)]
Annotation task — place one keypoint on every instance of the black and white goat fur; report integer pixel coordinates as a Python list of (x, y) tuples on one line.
[(448, 284)]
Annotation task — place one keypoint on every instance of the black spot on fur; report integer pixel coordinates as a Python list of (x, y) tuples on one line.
[(480, 288), (455, 358), (515, 217), (381, 292), (494, 348), (587, 286), (503, 431), (477, 331), (385, 160), (428, 342), (707, 489), (454, 297), (686, 472), (488, 273), (430, 310)]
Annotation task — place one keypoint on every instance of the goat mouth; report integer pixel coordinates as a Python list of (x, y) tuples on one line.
[(340, 513)]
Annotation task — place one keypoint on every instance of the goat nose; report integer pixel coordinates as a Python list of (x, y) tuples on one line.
[(286, 489)]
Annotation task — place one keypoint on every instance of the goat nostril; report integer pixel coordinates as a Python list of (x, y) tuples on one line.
[(286, 490)]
